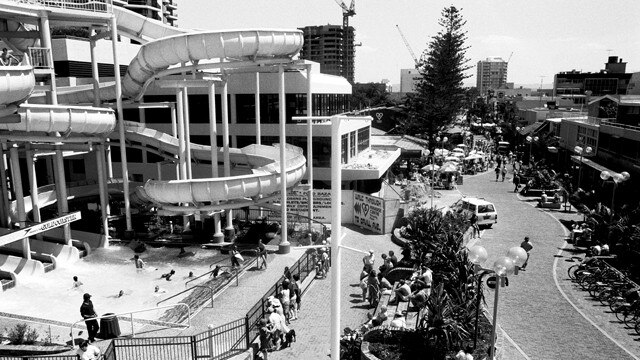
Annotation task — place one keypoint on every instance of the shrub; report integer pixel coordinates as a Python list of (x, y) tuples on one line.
[(22, 334)]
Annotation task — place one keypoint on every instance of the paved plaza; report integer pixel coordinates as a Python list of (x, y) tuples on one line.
[(542, 315)]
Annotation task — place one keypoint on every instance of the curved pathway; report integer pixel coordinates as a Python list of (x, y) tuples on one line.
[(533, 310)]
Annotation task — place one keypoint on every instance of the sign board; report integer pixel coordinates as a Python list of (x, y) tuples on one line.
[(368, 212), (38, 228), (298, 203), (491, 282)]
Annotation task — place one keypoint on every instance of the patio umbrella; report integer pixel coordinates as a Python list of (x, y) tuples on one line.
[(458, 154), (441, 152), (451, 158), (458, 150), (430, 167), (449, 167), (473, 157)]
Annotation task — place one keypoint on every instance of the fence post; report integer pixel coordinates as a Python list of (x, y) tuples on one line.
[(246, 330), (194, 349), (133, 332), (211, 354)]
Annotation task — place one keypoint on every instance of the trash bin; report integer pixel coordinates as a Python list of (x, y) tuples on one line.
[(109, 327)]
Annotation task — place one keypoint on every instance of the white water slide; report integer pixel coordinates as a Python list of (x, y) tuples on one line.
[(169, 46), (234, 191)]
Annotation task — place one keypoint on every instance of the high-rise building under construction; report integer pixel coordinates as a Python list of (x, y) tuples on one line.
[(332, 46)]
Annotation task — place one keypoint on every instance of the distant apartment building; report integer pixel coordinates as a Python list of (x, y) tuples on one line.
[(326, 45), (409, 78), (612, 80), (492, 74), (161, 10)]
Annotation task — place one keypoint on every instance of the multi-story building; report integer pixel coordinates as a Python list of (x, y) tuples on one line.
[(612, 80), (409, 78), (162, 10), (332, 47), (492, 74)]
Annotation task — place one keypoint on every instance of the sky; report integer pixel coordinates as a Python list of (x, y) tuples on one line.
[(545, 36)]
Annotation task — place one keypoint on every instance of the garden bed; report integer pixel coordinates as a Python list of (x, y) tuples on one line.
[(538, 192)]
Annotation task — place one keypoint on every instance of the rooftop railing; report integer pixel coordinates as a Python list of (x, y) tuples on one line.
[(103, 6)]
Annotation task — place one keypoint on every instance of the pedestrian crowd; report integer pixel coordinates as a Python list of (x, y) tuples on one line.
[(373, 283), (283, 308)]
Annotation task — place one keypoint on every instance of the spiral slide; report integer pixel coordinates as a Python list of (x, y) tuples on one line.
[(232, 191)]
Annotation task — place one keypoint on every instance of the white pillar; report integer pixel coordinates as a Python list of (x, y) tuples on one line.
[(159, 171), (4, 221), (16, 179), (336, 236), (187, 131), (310, 145), (225, 155), (123, 149), (257, 110), (218, 236), (142, 115), (104, 195), (94, 69), (174, 132), (45, 37), (33, 187), (182, 157), (284, 247)]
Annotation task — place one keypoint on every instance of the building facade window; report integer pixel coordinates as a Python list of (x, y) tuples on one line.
[(343, 149), (352, 144), (363, 139)]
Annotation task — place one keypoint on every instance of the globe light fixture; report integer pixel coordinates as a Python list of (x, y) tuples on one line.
[(478, 255), (518, 255), (617, 179)]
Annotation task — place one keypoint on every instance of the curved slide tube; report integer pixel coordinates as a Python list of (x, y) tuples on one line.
[(64, 119), (21, 266), (190, 46), (16, 85), (264, 180)]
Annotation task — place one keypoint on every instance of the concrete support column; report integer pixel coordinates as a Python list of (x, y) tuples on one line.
[(94, 68), (104, 196), (182, 148), (174, 132), (284, 247), (182, 156), (228, 230), (45, 37), (187, 131), (310, 146), (336, 236), (257, 110), (6, 204), (61, 192), (16, 179), (123, 149), (218, 236), (33, 188), (233, 119), (143, 120)]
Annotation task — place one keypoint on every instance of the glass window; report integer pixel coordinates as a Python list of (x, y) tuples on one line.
[(343, 149), (352, 144), (363, 139), (322, 151), (245, 109)]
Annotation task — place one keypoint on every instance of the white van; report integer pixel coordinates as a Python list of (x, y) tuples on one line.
[(484, 210)]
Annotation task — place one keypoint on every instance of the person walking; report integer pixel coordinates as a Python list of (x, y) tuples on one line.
[(516, 182), (262, 254), (497, 172), (138, 262), (88, 312), (503, 171), (235, 257), (474, 224), (368, 261), (527, 246)]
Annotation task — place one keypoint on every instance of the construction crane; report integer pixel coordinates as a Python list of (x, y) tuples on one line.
[(509, 59), (406, 43), (347, 12)]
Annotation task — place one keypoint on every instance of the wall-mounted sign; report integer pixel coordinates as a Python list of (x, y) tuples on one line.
[(368, 212)]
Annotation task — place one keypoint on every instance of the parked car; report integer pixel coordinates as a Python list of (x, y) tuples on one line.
[(484, 210)]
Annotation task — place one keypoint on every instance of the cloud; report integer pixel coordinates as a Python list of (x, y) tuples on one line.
[(499, 39)]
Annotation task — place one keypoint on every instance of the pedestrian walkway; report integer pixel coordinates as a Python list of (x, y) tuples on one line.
[(539, 320)]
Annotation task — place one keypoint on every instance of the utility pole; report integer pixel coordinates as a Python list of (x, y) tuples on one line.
[(540, 89)]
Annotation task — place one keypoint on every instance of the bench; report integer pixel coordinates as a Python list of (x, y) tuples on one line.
[(549, 204)]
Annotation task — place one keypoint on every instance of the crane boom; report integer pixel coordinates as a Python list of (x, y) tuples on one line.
[(406, 43), (509, 59)]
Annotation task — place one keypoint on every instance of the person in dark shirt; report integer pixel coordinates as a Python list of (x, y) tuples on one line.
[(87, 311), (393, 258)]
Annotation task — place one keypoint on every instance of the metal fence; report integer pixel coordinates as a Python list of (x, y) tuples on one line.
[(41, 357), (303, 267), (39, 57), (219, 343), (85, 5)]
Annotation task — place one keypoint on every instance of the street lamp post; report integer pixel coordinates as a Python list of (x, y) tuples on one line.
[(582, 151), (503, 266), (433, 164), (531, 140), (617, 178)]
